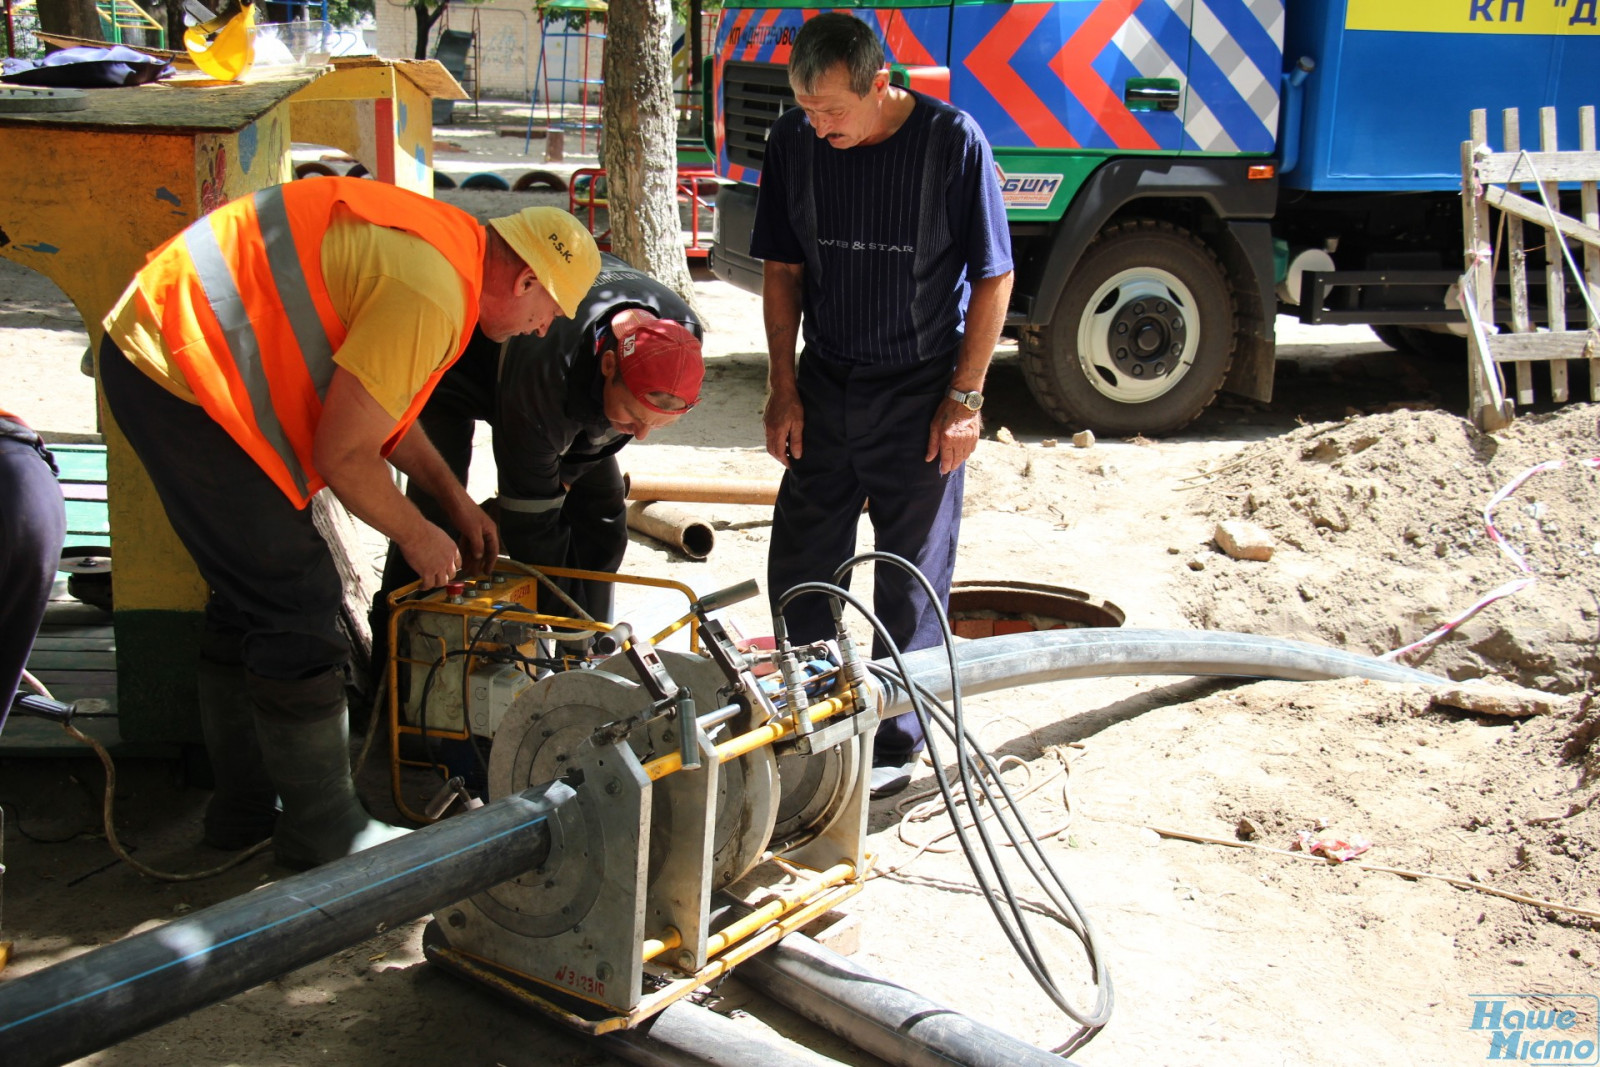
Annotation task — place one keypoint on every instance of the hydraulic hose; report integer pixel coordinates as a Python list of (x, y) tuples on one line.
[(96, 999), (995, 663), (895, 1024)]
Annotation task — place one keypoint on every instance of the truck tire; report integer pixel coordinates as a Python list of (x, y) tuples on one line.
[(1440, 346), (1164, 293), (1391, 336)]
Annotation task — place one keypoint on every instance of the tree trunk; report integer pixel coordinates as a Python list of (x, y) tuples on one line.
[(170, 15), (425, 20), (640, 139), (73, 18)]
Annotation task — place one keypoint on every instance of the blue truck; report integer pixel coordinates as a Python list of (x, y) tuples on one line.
[(1177, 173)]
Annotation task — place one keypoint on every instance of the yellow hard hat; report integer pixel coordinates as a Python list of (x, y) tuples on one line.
[(561, 252), (225, 46)]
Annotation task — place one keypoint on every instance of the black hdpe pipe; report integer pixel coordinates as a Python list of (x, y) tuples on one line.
[(104, 996), (688, 1035), (895, 1024), (96, 999)]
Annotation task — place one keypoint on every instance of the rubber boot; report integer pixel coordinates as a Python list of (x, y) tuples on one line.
[(244, 805), (305, 740)]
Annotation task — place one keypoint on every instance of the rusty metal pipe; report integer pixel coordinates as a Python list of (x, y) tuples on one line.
[(702, 490), (688, 533)]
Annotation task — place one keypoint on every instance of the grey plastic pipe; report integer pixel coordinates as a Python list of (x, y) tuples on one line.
[(1013, 660), (96, 999)]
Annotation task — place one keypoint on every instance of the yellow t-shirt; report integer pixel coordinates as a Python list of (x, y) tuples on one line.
[(398, 296)]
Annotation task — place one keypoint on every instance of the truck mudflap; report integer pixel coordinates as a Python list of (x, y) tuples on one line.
[(730, 257)]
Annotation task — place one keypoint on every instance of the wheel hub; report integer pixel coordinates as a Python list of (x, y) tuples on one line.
[(1147, 337)]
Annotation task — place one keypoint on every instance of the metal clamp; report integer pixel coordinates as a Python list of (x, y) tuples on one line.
[(453, 790)]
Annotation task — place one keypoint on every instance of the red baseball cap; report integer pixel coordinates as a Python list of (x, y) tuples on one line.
[(662, 356)]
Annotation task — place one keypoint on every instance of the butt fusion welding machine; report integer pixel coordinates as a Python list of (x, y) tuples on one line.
[(719, 795)]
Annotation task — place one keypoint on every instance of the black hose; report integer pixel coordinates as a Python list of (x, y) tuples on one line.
[(988, 869)]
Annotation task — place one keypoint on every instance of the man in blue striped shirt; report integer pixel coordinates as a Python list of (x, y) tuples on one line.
[(884, 237)]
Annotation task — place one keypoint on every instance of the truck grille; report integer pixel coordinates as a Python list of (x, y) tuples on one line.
[(753, 96)]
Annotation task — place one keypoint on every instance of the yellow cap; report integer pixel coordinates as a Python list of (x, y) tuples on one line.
[(561, 252)]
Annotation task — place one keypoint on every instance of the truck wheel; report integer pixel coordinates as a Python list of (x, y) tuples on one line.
[(1391, 336), (1441, 346), (1142, 337)]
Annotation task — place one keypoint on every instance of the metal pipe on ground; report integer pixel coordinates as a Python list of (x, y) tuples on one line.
[(688, 533), (96, 999), (702, 490), (895, 1024)]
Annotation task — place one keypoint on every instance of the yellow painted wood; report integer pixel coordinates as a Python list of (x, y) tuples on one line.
[(413, 120), (350, 83), (88, 194), (346, 124), (370, 109), (131, 187)]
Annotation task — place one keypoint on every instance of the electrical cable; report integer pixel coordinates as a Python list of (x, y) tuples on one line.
[(108, 802), (472, 648), (469, 652), (1516, 585), (1071, 912), (1011, 915), (16, 820), (918, 808)]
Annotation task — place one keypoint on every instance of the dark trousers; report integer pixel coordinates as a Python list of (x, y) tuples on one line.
[(275, 593), (33, 524), (589, 533), (865, 436)]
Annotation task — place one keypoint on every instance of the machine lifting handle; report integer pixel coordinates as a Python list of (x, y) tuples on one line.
[(611, 642), (723, 598), (688, 733), (44, 707)]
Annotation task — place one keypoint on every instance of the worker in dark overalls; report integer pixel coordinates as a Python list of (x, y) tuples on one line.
[(33, 523), (561, 407)]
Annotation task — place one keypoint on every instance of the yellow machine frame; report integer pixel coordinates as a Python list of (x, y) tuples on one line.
[(479, 606)]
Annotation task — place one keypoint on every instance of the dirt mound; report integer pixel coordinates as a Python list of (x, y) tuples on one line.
[(1498, 803), (1380, 539)]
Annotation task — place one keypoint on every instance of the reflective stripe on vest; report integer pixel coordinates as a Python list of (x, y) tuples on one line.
[(524, 506), (216, 279), (246, 316)]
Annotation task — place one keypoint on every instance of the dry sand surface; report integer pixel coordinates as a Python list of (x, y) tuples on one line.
[(1371, 485)]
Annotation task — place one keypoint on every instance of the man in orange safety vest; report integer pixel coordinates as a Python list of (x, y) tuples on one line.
[(285, 342)]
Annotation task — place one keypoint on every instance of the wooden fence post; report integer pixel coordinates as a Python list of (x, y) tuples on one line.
[(1555, 269), (1485, 405), (1590, 203), (1517, 263)]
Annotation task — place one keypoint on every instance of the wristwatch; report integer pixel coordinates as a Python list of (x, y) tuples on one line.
[(973, 400)]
